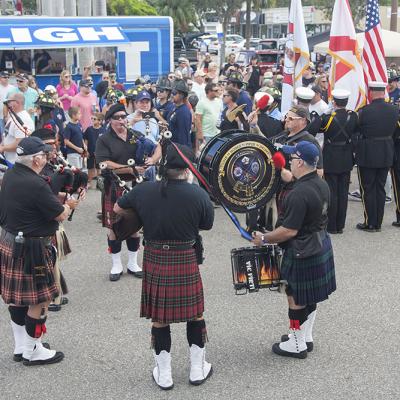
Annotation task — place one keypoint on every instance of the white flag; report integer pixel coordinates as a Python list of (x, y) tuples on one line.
[(297, 56)]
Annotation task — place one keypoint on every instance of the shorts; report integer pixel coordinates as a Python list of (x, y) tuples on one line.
[(91, 162)]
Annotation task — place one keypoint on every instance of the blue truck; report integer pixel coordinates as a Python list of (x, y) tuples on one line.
[(44, 46)]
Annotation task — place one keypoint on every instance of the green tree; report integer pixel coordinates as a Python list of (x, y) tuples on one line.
[(183, 13), (130, 7)]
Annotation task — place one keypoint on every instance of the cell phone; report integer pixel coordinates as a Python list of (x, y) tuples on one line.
[(149, 114)]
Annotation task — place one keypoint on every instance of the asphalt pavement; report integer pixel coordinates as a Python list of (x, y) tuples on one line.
[(107, 346)]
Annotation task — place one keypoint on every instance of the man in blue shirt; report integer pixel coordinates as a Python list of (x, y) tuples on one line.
[(394, 91), (180, 118), (236, 80)]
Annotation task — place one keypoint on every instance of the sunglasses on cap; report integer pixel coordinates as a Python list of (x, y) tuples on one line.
[(119, 117)]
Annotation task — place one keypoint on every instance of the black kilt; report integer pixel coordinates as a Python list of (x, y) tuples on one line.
[(312, 279), (172, 290), (19, 288)]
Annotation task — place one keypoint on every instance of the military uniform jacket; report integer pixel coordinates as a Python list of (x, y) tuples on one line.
[(375, 147), (340, 130), (396, 161)]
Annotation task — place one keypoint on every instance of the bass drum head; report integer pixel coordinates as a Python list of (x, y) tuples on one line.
[(239, 168)]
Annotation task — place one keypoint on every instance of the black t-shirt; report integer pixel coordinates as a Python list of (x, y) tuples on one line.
[(178, 215), (91, 135), (305, 208), (27, 203), (225, 123), (73, 132)]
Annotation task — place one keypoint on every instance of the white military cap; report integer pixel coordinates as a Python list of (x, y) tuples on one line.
[(340, 94), (305, 93), (377, 85)]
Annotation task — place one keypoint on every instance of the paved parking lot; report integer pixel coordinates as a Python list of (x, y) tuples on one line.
[(107, 346)]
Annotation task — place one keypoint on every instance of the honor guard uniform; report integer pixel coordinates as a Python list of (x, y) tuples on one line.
[(304, 95), (340, 129), (374, 154), (29, 218), (395, 172), (172, 212)]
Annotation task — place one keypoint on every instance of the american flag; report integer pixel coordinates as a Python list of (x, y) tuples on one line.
[(373, 54)]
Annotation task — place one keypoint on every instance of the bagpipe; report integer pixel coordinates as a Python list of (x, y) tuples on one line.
[(67, 178), (128, 222)]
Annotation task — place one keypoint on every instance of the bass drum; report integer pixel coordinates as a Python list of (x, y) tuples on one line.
[(238, 167)]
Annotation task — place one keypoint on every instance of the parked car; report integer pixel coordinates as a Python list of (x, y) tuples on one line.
[(182, 50), (266, 59), (234, 43)]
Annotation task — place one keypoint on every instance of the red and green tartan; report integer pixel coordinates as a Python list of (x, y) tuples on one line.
[(107, 205), (172, 290), (19, 288)]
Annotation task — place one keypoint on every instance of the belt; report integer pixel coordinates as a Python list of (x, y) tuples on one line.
[(169, 245), (46, 240), (378, 138), (337, 143)]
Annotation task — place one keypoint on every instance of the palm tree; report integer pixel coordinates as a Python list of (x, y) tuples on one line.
[(393, 16), (182, 12)]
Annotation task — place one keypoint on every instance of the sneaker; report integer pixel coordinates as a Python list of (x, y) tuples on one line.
[(355, 195)]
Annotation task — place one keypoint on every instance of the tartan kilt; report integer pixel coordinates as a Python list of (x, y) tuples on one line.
[(19, 288), (108, 199), (312, 279), (172, 290)]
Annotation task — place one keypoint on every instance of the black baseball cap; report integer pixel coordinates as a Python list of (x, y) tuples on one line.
[(86, 82), (32, 145), (114, 109), (174, 160), (4, 74)]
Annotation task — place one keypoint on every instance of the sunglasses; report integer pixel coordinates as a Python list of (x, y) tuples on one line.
[(293, 118), (118, 117), (324, 81), (215, 90), (67, 76), (20, 81), (226, 95), (94, 119), (171, 76)]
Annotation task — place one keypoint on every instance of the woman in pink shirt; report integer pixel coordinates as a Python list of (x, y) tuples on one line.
[(66, 89)]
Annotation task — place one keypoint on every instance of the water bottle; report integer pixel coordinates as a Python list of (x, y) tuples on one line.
[(19, 245)]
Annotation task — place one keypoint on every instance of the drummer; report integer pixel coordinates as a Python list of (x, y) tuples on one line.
[(307, 263)]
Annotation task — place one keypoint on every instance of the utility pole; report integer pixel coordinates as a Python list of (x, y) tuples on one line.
[(393, 16), (58, 8), (99, 10), (85, 54), (69, 11), (70, 8)]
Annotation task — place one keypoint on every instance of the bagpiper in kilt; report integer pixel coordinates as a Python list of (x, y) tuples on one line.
[(59, 181), (307, 264), (172, 212), (113, 149), (29, 217)]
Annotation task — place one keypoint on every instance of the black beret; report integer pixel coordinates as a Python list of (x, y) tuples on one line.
[(174, 160), (44, 134), (114, 109)]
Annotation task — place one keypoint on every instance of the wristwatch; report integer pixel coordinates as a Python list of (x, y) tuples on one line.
[(263, 239)]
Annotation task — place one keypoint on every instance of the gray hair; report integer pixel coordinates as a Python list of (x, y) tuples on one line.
[(19, 97), (26, 160)]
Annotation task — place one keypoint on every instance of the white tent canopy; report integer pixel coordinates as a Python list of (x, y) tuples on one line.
[(390, 41)]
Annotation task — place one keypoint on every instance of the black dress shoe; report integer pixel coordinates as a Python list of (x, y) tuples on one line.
[(340, 231), (138, 274), (64, 301), (332, 232), (277, 350), (310, 345), (59, 356), (18, 357), (54, 307), (115, 277), (366, 228), (396, 224)]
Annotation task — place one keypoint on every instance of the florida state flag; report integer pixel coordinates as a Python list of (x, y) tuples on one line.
[(346, 68)]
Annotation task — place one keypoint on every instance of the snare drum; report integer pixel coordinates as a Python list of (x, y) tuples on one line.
[(256, 267)]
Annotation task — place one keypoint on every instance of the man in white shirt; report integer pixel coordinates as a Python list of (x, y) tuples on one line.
[(5, 89), (317, 104), (208, 114), (14, 132), (199, 84)]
